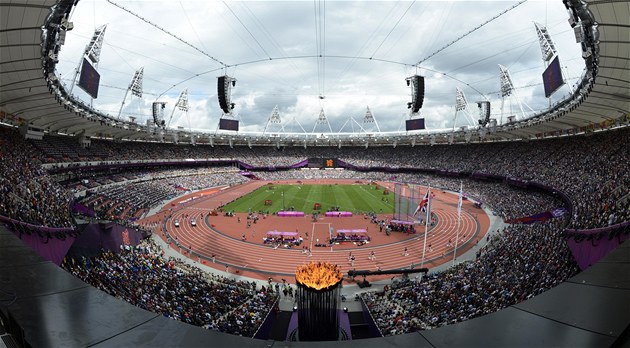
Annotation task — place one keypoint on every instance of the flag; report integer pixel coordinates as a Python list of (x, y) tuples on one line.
[(559, 212), (459, 203), (422, 204), (540, 217), (125, 237), (427, 206)]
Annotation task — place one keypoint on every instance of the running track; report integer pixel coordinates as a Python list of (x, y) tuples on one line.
[(254, 259)]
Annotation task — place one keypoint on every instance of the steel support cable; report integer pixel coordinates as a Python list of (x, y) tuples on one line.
[(317, 9), (168, 33), (470, 31), (246, 29), (393, 28), (364, 46), (274, 43), (317, 52), (191, 26), (323, 43), (492, 56)]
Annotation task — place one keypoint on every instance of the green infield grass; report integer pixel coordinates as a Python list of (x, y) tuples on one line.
[(353, 198)]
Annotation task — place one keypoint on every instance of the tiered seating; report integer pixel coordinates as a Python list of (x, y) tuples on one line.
[(519, 263), (125, 200), (145, 278), (50, 152)]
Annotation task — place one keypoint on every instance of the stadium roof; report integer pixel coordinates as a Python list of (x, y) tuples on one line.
[(31, 92)]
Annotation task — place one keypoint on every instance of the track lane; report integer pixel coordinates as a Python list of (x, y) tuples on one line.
[(251, 256)]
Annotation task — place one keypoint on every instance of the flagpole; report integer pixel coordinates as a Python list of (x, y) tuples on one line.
[(459, 215), (426, 225)]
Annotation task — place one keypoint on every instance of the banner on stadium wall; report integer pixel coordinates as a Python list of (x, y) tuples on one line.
[(540, 217), (107, 236)]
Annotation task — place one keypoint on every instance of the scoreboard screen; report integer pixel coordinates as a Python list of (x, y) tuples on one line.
[(227, 124), (552, 77), (414, 124), (330, 163), (89, 79), (323, 162)]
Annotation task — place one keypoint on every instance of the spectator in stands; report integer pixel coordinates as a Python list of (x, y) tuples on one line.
[(144, 277), (581, 166), (27, 192), (519, 263)]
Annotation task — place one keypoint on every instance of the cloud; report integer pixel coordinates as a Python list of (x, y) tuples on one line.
[(273, 48)]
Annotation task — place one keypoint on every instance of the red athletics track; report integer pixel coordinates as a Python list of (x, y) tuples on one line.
[(221, 236)]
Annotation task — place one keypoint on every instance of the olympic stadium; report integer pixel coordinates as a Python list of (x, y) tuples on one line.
[(406, 173)]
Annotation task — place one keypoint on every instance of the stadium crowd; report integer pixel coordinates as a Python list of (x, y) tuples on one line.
[(144, 277), (120, 202), (509, 202), (592, 165), (127, 199), (590, 169), (520, 262), (27, 193), (187, 178)]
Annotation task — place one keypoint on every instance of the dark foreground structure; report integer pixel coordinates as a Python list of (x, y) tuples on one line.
[(318, 319), (44, 306), (319, 293)]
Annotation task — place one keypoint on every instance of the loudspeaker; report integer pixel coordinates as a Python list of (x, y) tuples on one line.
[(484, 112), (223, 92), (417, 93), (158, 113)]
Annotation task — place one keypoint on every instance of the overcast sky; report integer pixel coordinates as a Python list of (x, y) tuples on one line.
[(289, 53)]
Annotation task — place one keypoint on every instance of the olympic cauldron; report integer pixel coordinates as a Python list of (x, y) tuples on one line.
[(318, 289)]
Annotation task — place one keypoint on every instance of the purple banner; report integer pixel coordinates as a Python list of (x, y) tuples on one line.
[(245, 165), (367, 316), (108, 236), (291, 213), (516, 182), (589, 246), (540, 217), (300, 164), (82, 209), (265, 328), (49, 247), (338, 214), (278, 233), (402, 222), (344, 324), (344, 164), (359, 230)]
